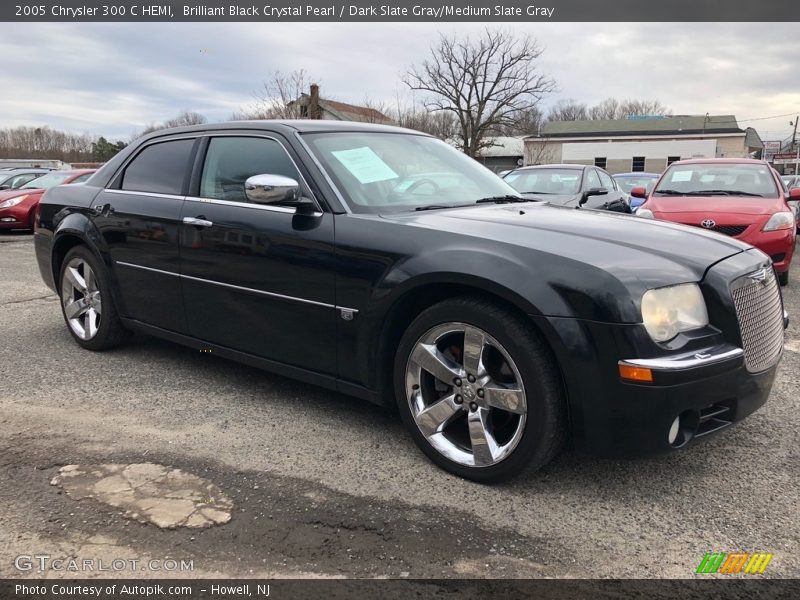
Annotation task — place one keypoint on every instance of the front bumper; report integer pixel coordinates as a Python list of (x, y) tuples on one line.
[(778, 245)]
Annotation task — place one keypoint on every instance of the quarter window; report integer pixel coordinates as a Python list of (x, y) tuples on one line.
[(637, 164), (159, 168), (606, 181), (231, 160)]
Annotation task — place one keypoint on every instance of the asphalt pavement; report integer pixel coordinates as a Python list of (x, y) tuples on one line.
[(323, 485)]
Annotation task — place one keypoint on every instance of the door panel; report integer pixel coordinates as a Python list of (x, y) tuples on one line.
[(141, 233), (140, 225), (258, 279)]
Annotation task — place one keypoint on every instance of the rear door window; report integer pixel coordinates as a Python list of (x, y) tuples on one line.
[(160, 168)]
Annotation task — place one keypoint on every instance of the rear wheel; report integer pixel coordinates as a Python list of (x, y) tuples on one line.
[(478, 390), (86, 301)]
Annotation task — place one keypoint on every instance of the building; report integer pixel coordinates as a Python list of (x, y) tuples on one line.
[(44, 163), (504, 153), (312, 106), (641, 143)]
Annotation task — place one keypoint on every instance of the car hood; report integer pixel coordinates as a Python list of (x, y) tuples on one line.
[(6, 195), (709, 205), (653, 253)]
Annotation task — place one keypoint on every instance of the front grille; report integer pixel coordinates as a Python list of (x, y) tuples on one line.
[(760, 312), (731, 230)]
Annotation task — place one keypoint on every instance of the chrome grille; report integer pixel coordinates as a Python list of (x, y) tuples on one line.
[(760, 312)]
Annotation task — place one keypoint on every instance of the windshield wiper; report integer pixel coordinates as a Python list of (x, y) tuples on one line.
[(440, 206), (539, 193), (723, 193), (501, 199), (670, 192)]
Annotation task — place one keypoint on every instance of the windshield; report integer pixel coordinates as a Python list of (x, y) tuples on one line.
[(391, 172), (627, 182), (46, 181), (546, 181), (718, 179)]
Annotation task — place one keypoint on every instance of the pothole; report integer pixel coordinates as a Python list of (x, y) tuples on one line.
[(149, 493)]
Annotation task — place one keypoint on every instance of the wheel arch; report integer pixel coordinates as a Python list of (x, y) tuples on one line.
[(427, 291)]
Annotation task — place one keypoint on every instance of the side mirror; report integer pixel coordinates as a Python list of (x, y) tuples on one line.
[(592, 192), (271, 189), (5, 187), (794, 194), (639, 192)]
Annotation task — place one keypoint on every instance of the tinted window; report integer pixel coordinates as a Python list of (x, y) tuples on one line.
[(159, 168), (231, 160)]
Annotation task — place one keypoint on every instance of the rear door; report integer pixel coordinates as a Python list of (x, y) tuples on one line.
[(257, 278), (138, 216)]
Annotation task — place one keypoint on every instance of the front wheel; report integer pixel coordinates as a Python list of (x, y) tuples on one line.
[(479, 391), (86, 301)]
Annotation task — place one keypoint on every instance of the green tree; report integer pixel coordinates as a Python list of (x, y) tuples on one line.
[(103, 150)]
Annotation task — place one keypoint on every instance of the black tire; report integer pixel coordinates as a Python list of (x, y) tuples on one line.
[(783, 278), (545, 429), (110, 331)]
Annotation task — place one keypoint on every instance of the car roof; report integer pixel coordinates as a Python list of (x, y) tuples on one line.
[(531, 167), (722, 161), (288, 126)]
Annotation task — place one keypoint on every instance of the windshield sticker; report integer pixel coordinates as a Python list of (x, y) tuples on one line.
[(365, 165), (681, 176)]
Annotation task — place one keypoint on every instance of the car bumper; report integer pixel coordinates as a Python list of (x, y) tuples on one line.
[(15, 217), (779, 245), (707, 390)]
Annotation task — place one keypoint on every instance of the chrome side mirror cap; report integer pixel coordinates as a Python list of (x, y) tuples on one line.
[(271, 189)]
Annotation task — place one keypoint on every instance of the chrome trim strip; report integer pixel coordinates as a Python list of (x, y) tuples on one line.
[(281, 209), (240, 288), (127, 264), (151, 194), (700, 358)]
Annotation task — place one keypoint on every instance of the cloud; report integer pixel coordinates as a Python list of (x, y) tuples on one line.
[(114, 78)]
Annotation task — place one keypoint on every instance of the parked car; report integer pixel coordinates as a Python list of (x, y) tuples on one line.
[(498, 326), (791, 182), (740, 198), (11, 179), (627, 181), (18, 207), (576, 186)]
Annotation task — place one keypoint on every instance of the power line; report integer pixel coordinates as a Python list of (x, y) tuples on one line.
[(791, 114)]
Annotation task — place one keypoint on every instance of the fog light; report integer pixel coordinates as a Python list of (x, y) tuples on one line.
[(673, 431), (7, 219)]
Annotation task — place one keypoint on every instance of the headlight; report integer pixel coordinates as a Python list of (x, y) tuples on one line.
[(13, 201), (644, 213), (780, 220), (669, 310)]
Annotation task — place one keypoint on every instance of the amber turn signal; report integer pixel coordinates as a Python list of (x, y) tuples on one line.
[(635, 373)]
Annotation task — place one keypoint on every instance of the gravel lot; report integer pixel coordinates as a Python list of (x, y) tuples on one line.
[(326, 485)]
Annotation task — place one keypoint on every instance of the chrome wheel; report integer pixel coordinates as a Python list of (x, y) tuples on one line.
[(466, 394), (80, 298)]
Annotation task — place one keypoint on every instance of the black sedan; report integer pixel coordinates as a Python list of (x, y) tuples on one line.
[(576, 186), (383, 263)]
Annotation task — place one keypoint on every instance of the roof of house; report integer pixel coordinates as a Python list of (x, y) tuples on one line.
[(670, 125), (752, 139), (346, 111)]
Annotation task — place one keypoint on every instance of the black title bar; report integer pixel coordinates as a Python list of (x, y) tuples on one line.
[(399, 10)]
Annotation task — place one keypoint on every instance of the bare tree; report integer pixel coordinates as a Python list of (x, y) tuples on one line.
[(528, 122), (44, 142), (187, 117), (485, 83), (568, 110), (276, 99)]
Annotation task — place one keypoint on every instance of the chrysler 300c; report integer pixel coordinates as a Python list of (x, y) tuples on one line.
[(384, 264)]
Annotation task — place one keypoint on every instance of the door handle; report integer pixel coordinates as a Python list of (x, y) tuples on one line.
[(197, 221)]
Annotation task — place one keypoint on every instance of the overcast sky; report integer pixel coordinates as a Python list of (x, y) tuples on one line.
[(112, 79)]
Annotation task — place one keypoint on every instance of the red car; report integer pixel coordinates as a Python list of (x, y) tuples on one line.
[(739, 197), (18, 207)]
